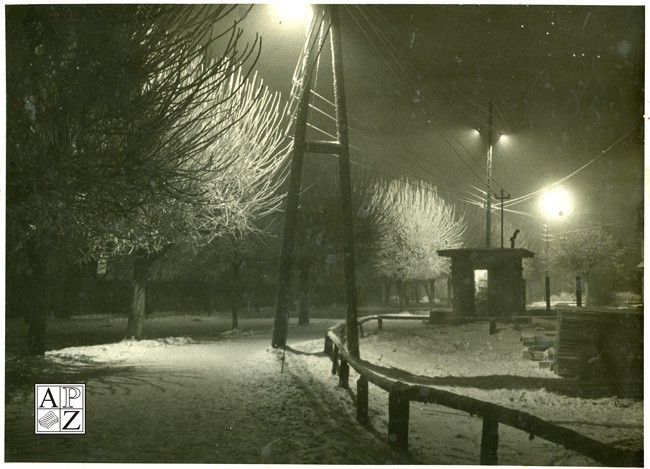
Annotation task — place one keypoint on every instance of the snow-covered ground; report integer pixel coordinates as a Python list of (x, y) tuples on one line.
[(180, 400), (224, 399), (467, 360)]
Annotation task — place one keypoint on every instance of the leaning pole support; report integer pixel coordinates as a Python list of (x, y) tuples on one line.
[(285, 269), (351, 324), (340, 148)]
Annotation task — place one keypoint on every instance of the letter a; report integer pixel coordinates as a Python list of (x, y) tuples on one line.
[(51, 399)]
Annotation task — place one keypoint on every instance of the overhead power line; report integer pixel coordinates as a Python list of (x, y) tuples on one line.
[(525, 197)]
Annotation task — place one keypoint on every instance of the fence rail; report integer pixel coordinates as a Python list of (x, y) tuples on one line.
[(401, 394)]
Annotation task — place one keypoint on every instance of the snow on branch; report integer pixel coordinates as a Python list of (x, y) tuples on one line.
[(242, 162), (413, 222)]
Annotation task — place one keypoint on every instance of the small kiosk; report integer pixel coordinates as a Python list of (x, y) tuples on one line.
[(506, 288)]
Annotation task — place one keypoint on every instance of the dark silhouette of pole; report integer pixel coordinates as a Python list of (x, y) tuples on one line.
[(488, 207), (547, 279), (352, 332), (502, 198), (342, 150), (280, 324)]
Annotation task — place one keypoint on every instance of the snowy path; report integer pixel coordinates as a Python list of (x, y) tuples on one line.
[(218, 402)]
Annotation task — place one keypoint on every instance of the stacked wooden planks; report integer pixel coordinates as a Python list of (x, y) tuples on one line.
[(600, 343)]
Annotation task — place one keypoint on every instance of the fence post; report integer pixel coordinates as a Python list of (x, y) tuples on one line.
[(328, 346), (380, 324), (490, 439), (493, 326), (335, 360), (344, 373), (362, 399), (398, 417), (361, 330)]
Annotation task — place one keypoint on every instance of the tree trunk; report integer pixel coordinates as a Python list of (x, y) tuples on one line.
[(385, 292), (235, 316), (416, 295), (400, 300), (303, 315), (401, 294), (88, 275), (39, 311), (148, 304), (407, 294), (449, 291), (213, 307), (256, 293), (432, 291), (141, 264), (235, 296)]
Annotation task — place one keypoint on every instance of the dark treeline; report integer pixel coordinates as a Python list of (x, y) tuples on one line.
[(89, 295)]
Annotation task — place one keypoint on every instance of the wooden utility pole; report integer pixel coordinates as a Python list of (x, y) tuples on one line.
[(351, 326), (501, 198), (285, 270), (547, 279), (488, 202), (341, 148)]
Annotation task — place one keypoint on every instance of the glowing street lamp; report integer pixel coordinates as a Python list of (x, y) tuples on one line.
[(555, 203), (292, 11)]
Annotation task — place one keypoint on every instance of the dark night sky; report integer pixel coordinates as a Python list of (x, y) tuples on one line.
[(566, 82)]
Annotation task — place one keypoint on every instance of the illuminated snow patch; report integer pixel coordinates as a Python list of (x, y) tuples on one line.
[(118, 351)]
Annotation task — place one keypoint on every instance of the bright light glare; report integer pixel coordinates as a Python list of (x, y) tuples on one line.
[(293, 10), (504, 138), (555, 203)]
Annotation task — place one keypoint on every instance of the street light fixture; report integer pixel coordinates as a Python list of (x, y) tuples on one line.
[(555, 203), (492, 139), (293, 11)]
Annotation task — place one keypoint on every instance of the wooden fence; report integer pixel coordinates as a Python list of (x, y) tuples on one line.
[(401, 394)]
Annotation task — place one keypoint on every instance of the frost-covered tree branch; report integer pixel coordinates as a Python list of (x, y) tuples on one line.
[(101, 101), (413, 222), (243, 167)]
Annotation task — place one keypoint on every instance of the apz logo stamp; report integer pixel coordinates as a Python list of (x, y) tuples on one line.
[(60, 408)]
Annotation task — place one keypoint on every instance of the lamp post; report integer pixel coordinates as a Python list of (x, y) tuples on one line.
[(554, 204), (547, 279), (492, 138), (488, 194)]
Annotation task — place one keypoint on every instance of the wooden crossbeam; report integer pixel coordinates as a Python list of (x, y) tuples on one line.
[(323, 146)]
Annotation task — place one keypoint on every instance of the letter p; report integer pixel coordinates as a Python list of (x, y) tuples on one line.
[(70, 394)]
